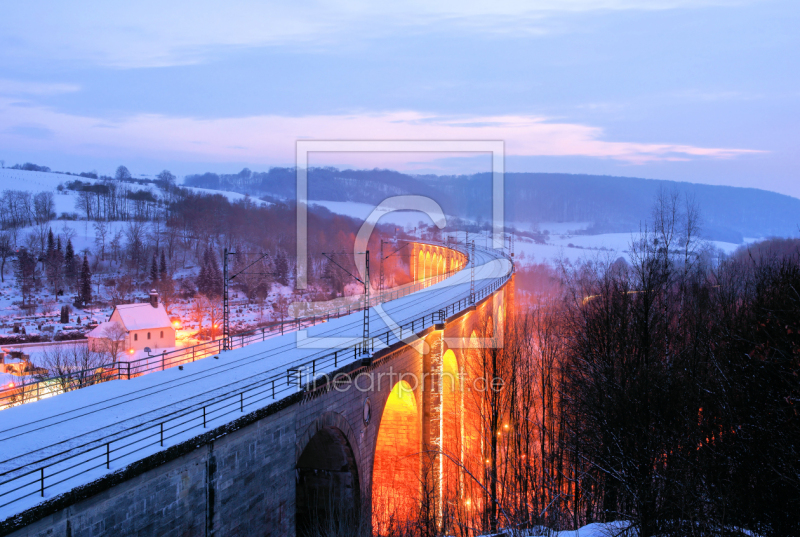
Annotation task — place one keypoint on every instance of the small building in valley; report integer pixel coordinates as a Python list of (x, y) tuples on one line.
[(142, 325)]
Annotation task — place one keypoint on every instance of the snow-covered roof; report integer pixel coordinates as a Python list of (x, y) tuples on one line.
[(142, 316), (100, 330)]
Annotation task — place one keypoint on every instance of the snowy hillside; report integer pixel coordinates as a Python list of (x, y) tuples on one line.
[(35, 182)]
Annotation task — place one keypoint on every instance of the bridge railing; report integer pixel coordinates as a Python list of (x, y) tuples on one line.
[(41, 387), (57, 468)]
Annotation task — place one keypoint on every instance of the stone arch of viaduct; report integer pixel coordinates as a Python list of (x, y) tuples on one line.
[(322, 450)]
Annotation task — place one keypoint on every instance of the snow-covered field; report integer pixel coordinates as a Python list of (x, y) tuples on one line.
[(573, 248), (232, 196), (35, 182)]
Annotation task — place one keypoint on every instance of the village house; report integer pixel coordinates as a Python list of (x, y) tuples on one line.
[(142, 325)]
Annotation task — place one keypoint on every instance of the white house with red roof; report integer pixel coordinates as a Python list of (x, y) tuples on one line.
[(146, 325)]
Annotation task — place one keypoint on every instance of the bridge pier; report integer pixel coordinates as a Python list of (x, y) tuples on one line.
[(395, 440)]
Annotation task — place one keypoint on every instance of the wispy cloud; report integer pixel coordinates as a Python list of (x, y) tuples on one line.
[(153, 33), (271, 139), (20, 87)]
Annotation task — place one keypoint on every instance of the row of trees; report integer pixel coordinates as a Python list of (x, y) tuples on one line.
[(662, 392), (19, 208), (63, 271)]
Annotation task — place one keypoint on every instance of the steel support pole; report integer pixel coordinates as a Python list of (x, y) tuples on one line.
[(366, 300), (226, 332)]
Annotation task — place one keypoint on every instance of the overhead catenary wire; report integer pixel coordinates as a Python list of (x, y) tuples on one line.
[(247, 360), (237, 386)]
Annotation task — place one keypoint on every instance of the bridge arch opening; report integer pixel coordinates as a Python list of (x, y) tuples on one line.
[(421, 266), (328, 495), (427, 264), (396, 465), (452, 427)]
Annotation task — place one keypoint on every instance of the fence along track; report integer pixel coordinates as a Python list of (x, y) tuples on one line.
[(35, 390), (57, 470)]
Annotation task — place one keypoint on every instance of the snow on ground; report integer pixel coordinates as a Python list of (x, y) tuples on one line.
[(35, 182), (136, 407), (563, 241), (574, 248), (556, 228), (232, 196), (597, 529)]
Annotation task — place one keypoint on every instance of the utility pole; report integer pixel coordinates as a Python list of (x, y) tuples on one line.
[(365, 281), (366, 302), (380, 283), (472, 273), (226, 279), (226, 308)]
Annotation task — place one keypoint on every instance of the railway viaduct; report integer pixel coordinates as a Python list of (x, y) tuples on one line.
[(351, 436)]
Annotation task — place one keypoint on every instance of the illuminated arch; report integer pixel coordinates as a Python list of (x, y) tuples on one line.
[(427, 265), (472, 439), (452, 426), (501, 318), (396, 465), (421, 266)]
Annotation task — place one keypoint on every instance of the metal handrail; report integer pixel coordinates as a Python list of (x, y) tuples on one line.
[(34, 478), (35, 390)]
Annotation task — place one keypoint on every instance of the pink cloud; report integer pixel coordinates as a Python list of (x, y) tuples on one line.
[(270, 139)]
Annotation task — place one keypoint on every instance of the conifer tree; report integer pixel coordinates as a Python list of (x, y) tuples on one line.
[(70, 266), (85, 291), (162, 271), (202, 280), (209, 281), (25, 272), (154, 271), (282, 269), (215, 278), (51, 244)]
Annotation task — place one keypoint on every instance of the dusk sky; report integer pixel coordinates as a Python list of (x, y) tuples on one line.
[(687, 90)]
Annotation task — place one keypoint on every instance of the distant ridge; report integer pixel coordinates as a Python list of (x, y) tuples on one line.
[(613, 204)]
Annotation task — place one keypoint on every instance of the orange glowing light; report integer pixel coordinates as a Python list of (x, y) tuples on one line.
[(10, 384), (396, 465), (176, 324), (131, 351)]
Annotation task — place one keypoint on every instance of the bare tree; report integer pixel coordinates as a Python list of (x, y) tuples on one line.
[(113, 343), (116, 245), (71, 366), (135, 236), (198, 312), (67, 233), (43, 207), (100, 234), (6, 251), (214, 308)]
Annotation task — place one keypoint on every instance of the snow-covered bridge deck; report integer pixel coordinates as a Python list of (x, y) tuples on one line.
[(56, 445)]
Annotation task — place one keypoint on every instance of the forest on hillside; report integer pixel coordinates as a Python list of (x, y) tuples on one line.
[(610, 204)]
